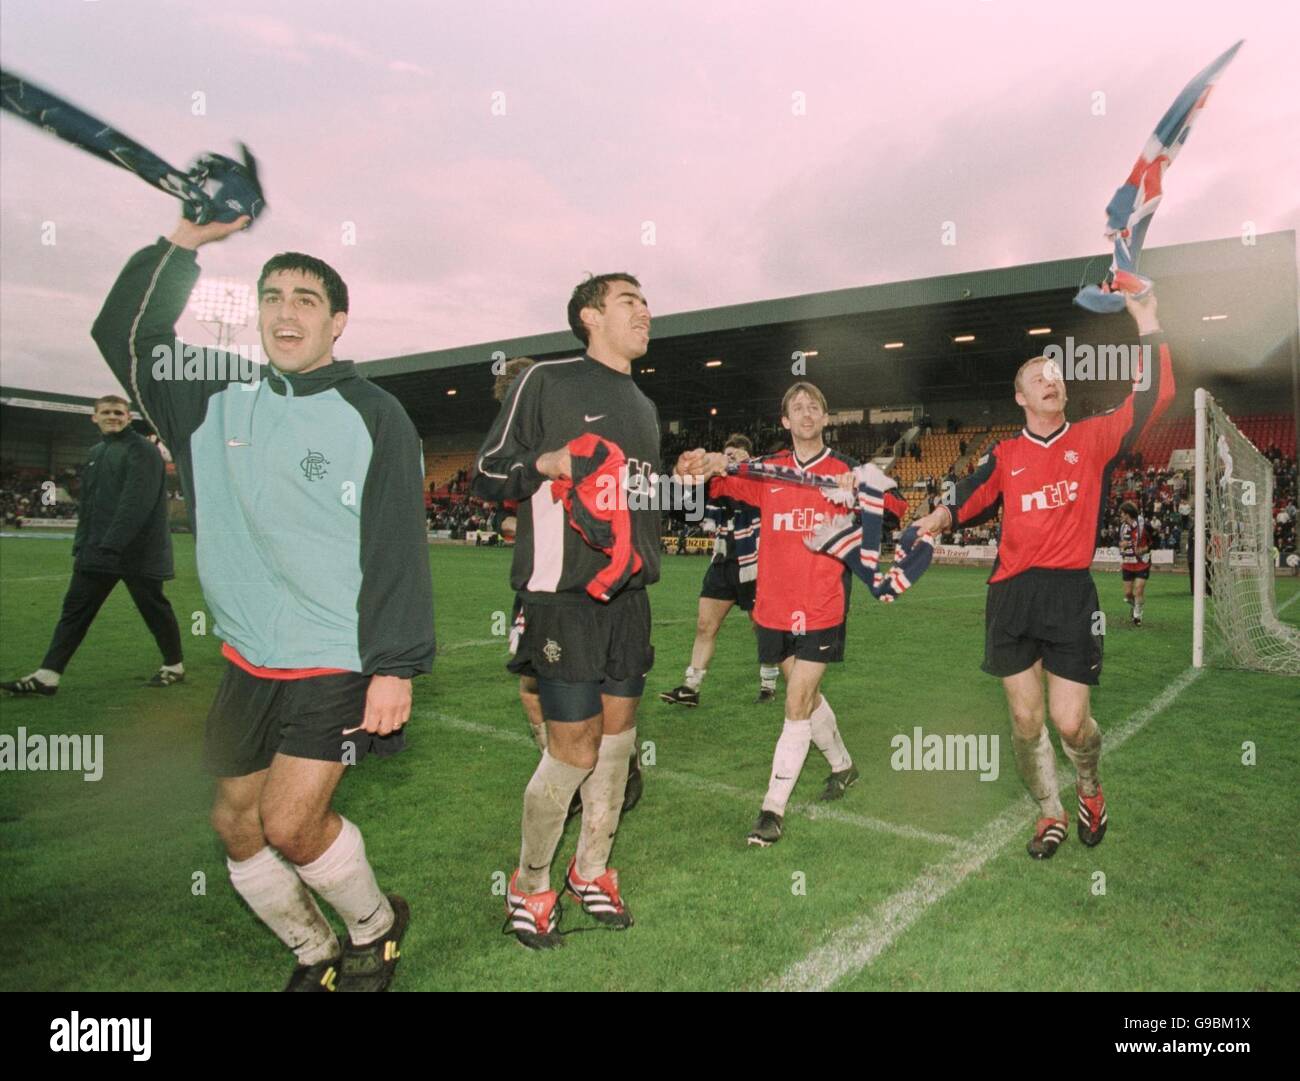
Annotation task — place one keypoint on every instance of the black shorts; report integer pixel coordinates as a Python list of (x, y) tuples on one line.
[(1130, 575), (722, 583), (605, 647), (253, 719), (516, 635), (1052, 615), (825, 645)]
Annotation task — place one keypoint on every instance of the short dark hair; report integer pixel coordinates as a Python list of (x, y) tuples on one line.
[(336, 291), (1129, 507), (591, 294), (740, 442), (112, 398), (513, 369)]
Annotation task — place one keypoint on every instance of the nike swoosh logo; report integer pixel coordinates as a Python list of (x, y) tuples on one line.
[(823, 647), (600, 416), (237, 443), (774, 489), (1017, 472), (780, 778)]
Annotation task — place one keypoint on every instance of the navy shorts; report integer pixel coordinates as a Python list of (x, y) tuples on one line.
[(824, 646), (1048, 615), (253, 719), (579, 649), (722, 583)]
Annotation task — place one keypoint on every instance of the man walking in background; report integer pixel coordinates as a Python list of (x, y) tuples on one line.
[(122, 535)]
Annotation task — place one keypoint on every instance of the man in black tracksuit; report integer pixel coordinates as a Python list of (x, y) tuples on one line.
[(122, 535), (590, 656)]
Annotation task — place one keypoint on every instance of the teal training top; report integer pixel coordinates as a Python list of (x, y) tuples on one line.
[(305, 491)]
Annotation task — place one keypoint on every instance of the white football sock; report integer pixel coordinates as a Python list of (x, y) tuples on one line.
[(277, 895), (826, 734), (176, 669), (1036, 764), (342, 876), (546, 806), (1086, 756), (47, 676), (767, 674), (787, 762), (1137, 609), (602, 803), (694, 677)]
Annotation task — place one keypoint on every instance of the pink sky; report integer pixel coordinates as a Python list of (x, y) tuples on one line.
[(473, 226)]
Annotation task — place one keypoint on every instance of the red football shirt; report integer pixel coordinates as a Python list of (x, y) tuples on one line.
[(1051, 488), (798, 589)]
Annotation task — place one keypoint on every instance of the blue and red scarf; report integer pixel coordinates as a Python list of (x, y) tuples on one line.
[(855, 539)]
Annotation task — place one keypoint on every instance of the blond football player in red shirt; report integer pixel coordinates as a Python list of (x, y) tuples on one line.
[(1042, 615)]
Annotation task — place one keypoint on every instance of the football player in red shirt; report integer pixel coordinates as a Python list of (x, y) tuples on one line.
[(802, 601), (1135, 554), (1042, 612)]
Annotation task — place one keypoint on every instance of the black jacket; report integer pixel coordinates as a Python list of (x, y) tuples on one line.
[(122, 516)]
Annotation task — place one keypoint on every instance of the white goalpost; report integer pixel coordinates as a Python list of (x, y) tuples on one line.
[(1233, 573)]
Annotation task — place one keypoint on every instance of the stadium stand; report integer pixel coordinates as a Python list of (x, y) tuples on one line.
[(443, 470)]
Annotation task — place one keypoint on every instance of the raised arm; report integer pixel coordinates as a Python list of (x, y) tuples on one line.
[(136, 332)]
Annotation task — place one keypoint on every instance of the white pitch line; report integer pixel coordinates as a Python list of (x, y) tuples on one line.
[(451, 647), (850, 950), (703, 784), (812, 810)]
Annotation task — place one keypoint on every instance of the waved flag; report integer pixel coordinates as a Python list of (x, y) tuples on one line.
[(1129, 212)]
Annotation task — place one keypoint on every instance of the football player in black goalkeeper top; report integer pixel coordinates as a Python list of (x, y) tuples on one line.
[(590, 656), (1042, 613)]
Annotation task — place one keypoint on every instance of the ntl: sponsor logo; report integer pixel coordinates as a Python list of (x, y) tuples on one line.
[(36, 752), (948, 753)]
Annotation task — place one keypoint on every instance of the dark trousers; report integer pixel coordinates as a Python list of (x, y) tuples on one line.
[(87, 594)]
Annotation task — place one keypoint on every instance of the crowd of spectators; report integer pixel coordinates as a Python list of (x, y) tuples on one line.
[(1161, 496), (459, 484), (461, 513), (24, 494), (1284, 501)]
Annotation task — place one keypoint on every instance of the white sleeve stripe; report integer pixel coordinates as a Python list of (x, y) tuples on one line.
[(135, 326), (505, 431)]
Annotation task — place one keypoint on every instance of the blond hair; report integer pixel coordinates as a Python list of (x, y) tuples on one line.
[(802, 388), (1020, 386)]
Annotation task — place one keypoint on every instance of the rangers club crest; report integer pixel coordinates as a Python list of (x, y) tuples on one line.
[(1072, 456), (551, 651), (313, 466)]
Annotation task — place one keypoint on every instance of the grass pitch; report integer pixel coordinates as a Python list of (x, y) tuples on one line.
[(916, 880)]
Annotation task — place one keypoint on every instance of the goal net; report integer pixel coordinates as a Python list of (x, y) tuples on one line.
[(1235, 621)]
